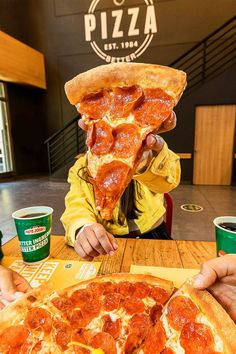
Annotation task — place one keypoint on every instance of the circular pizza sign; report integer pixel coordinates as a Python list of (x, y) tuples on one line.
[(122, 32)]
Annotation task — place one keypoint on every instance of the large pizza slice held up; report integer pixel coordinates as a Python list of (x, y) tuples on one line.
[(121, 104)]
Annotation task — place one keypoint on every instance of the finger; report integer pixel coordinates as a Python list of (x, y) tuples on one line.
[(103, 239), (113, 241), (7, 285), (3, 302), (21, 284), (19, 294), (88, 249), (169, 123), (154, 142), (213, 269), (232, 311), (82, 125), (92, 239), (79, 250)]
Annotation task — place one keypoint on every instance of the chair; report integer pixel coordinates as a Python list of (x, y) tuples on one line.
[(169, 211)]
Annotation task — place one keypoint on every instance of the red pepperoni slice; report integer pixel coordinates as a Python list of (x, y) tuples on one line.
[(96, 288), (110, 287), (140, 324), (63, 304), (91, 309), (31, 298), (168, 351), (81, 297), (77, 320), (79, 337), (14, 336), (132, 343), (154, 108), (39, 318), (123, 99), (197, 338), (111, 327), (95, 105), (112, 301), (159, 295), (181, 310), (126, 288), (111, 176), (141, 290), (155, 313), (133, 305), (100, 138), (88, 335), (156, 340), (63, 334), (127, 140), (105, 342)]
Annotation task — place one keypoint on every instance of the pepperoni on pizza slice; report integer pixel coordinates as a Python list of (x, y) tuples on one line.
[(192, 322), (121, 104)]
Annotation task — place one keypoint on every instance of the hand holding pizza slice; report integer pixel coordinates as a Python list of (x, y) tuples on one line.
[(121, 104)]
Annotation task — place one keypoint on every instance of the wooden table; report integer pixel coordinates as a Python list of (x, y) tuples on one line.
[(177, 254)]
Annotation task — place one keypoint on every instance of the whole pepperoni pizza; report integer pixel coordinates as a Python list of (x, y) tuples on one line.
[(117, 314), (121, 104)]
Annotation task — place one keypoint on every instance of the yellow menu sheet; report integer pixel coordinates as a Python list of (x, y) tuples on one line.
[(60, 273), (177, 275)]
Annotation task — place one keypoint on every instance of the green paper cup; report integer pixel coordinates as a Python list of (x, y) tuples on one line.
[(225, 239), (33, 226)]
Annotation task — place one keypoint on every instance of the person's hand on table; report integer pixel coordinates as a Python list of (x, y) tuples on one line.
[(94, 240), (219, 277), (12, 286)]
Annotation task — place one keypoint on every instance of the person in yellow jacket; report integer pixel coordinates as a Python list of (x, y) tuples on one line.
[(140, 210)]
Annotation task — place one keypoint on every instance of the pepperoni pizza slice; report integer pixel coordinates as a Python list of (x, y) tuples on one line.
[(192, 322), (121, 104), (114, 313)]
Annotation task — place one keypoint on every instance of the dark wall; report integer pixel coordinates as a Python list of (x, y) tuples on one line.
[(56, 28)]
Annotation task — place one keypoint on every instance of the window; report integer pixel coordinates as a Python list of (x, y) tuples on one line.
[(5, 146)]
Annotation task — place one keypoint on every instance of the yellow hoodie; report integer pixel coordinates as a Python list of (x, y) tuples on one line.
[(161, 176)]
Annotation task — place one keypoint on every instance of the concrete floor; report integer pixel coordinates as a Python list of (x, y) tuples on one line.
[(215, 200)]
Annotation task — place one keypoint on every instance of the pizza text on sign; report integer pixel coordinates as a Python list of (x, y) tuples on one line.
[(110, 31)]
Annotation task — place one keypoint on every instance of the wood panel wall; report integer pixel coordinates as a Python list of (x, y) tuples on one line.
[(20, 63), (214, 142)]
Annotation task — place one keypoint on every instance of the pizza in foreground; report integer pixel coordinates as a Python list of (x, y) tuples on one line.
[(113, 313), (121, 104), (117, 314)]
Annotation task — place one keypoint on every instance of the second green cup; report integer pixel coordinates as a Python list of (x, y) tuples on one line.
[(225, 229)]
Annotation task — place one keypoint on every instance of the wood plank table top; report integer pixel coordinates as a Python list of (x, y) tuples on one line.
[(160, 253)]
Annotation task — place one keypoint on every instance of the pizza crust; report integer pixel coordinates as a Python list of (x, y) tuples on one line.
[(120, 277), (109, 76), (215, 313), (19, 308)]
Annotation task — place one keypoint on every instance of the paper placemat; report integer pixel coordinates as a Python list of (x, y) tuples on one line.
[(61, 273), (177, 275)]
